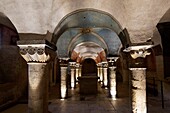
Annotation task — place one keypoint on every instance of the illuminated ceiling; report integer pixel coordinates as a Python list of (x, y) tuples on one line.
[(87, 32)]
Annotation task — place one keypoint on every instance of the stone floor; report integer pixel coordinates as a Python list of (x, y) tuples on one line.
[(95, 104)]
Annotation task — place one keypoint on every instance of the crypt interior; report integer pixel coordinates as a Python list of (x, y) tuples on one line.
[(96, 56)]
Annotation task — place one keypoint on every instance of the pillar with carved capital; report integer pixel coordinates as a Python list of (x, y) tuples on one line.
[(37, 54), (105, 76), (138, 77), (112, 77)]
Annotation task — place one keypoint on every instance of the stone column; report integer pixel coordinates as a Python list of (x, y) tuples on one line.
[(99, 72), (54, 70), (138, 91), (138, 77), (112, 77), (38, 88), (63, 81), (51, 80), (80, 70), (77, 71), (37, 53), (73, 75), (105, 76)]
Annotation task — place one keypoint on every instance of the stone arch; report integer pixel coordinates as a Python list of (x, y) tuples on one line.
[(89, 23)]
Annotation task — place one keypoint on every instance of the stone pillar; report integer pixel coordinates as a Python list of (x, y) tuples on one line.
[(138, 77), (38, 88), (99, 72), (138, 91), (112, 77), (63, 81), (54, 70), (105, 76), (37, 53), (77, 71), (80, 71), (51, 80), (73, 75)]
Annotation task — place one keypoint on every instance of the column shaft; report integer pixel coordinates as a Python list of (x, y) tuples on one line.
[(73, 81), (101, 74), (105, 78), (98, 73), (38, 88), (80, 71), (112, 82), (64, 82), (138, 91), (77, 73)]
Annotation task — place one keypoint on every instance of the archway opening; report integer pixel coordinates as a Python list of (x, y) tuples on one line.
[(89, 37)]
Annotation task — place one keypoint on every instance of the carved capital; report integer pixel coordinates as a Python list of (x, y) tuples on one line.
[(138, 51), (34, 53), (35, 50), (105, 64), (72, 64), (112, 61), (63, 62), (99, 64)]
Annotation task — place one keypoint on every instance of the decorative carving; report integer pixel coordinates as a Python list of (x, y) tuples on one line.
[(139, 53), (34, 53), (72, 64), (105, 64), (112, 61)]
